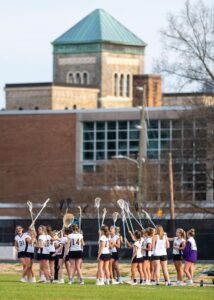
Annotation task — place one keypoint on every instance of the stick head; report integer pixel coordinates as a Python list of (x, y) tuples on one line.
[(46, 202), (67, 220), (126, 207), (115, 216), (120, 203), (80, 209), (104, 211), (146, 214), (30, 205), (97, 202)]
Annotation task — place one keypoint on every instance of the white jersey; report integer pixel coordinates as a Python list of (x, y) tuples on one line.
[(192, 241), (29, 247), (21, 241), (76, 241), (62, 242), (114, 240), (160, 247), (51, 244), (146, 242), (105, 249), (138, 246), (177, 242), (45, 238)]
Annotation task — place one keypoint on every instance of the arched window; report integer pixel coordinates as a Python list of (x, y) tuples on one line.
[(70, 78), (121, 84), (128, 85), (115, 84), (78, 78), (85, 78), (74, 106), (36, 108), (20, 108)]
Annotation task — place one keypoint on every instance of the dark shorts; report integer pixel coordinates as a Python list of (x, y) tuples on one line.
[(147, 258), (61, 256), (43, 256), (161, 257), (177, 257), (115, 255), (22, 254), (30, 255), (51, 258), (105, 257), (75, 254), (137, 260)]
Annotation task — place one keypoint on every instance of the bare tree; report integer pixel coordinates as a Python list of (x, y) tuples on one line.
[(188, 46)]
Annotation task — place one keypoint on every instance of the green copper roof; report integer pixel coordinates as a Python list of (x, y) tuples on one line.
[(99, 26)]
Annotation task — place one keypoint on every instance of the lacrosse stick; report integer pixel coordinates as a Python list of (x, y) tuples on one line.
[(127, 210), (30, 206), (149, 218), (124, 227), (97, 205), (80, 217), (139, 218), (131, 214), (120, 203), (104, 215), (39, 213), (115, 216)]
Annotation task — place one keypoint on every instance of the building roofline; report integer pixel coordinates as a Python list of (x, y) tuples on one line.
[(188, 94), (47, 84), (93, 111)]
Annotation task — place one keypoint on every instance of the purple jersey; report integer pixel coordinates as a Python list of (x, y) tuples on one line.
[(190, 251)]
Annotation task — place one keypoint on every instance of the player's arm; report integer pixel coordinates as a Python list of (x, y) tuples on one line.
[(134, 253), (154, 240), (102, 245), (16, 245)]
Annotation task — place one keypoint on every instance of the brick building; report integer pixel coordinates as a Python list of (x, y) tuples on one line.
[(68, 155)]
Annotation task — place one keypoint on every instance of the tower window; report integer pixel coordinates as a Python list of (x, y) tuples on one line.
[(121, 84), (78, 78), (70, 78), (128, 85), (85, 78), (115, 84)]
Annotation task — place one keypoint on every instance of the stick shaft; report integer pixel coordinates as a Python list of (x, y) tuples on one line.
[(124, 233)]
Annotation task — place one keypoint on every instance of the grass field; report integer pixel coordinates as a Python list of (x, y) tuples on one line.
[(11, 288)]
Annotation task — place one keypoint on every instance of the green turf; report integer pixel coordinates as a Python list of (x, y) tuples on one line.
[(11, 289)]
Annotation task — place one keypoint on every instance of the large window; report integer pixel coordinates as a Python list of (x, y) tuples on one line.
[(185, 140)]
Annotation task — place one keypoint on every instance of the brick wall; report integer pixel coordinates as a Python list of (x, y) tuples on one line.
[(37, 157), (153, 90)]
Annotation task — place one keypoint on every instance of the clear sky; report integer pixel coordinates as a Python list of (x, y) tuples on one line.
[(29, 26)]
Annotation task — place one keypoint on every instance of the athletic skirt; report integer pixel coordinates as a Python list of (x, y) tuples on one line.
[(147, 257), (137, 260), (160, 257), (22, 254), (115, 255), (51, 258), (61, 256), (105, 257), (177, 257), (30, 255), (43, 256), (75, 254)]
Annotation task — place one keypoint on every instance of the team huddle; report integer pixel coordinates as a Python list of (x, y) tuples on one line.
[(56, 250)]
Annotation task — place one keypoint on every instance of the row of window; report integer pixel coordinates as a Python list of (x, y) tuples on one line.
[(80, 78), (122, 138), (122, 85)]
